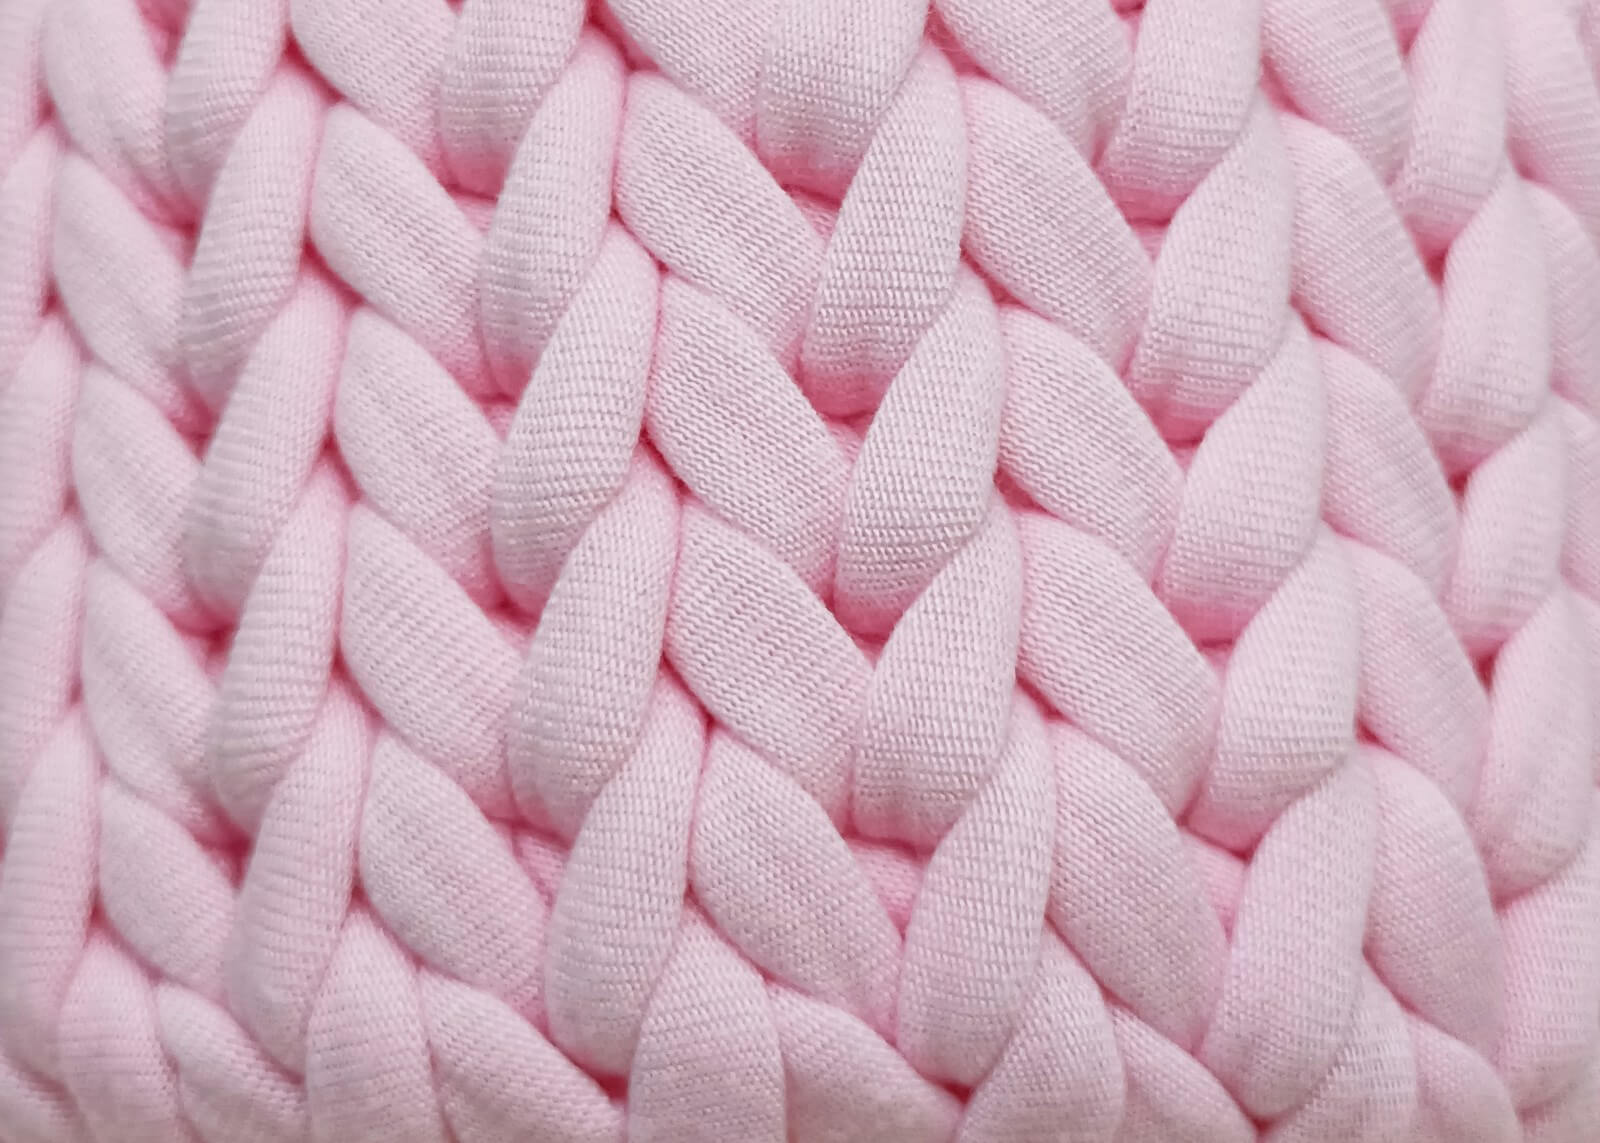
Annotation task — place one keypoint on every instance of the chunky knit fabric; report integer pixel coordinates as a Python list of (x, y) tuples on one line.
[(833, 571)]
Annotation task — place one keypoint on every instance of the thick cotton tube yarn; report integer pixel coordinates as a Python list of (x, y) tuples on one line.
[(799, 571)]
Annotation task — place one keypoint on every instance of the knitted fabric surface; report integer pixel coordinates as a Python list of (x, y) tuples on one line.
[(799, 571)]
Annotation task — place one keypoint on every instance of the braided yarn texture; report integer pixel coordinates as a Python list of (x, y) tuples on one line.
[(799, 571)]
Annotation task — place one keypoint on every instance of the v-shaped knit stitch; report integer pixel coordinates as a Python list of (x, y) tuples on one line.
[(799, 571)]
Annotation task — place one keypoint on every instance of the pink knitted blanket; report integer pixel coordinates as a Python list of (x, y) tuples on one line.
[(799, 571)]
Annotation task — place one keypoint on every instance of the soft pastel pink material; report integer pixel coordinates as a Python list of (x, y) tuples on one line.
[(799, 570)]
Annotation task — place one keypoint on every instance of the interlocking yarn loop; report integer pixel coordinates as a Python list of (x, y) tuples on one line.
[(799, 571)]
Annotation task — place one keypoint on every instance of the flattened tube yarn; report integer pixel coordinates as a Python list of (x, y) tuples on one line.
[(800, 571)]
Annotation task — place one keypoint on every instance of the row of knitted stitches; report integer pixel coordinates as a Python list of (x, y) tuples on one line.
[(807, 570)]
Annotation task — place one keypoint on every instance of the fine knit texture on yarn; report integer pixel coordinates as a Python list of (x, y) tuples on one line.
[(799, 571)]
